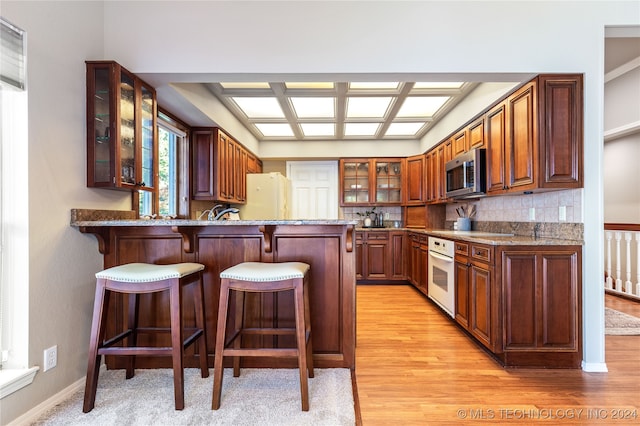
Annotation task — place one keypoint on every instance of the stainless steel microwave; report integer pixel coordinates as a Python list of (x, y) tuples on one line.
[(466, 174)]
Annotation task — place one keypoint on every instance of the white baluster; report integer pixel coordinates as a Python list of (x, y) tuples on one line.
[(638, 264), (618, 268), (609, 281), (628, 286)]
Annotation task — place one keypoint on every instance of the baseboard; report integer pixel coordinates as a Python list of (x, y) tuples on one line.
[(32, 415), (594, 367)]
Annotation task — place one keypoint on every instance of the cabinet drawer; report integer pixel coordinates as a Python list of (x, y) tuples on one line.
[(462, 249), (481, 253), (359, 236), (377, 236)]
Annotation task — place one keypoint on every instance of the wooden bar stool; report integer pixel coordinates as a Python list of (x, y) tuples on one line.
[(135, 279), (255, 277)]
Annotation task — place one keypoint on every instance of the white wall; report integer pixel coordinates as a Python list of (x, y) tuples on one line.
[(621, 154), (266, 37), (62, 261)]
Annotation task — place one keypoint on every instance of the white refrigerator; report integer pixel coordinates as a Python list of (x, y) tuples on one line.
[(267, 197)]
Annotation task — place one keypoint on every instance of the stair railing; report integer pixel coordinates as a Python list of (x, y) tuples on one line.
[(625, 254)]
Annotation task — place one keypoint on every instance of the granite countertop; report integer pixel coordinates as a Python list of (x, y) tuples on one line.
[(88, 217)]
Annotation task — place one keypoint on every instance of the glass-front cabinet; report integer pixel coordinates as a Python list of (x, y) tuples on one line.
[(370, 181), (121, 129)]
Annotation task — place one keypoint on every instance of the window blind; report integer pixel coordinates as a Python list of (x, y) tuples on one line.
[(12, 55)]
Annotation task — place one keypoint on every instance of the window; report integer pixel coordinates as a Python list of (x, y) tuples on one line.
[(171, 196), (14, 204)]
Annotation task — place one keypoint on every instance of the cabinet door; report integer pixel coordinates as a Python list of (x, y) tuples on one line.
[(521, 154), (423, 265), (377, 260), (101, 126), (480, 322), (439, 171), (496, 134), (148, 139), (396, 254), (476, 134), (415, 179), (462, 291), (360, 255), (388, 181), (541, 298), (127, 131), (560, 133), (354, 182), (202, 148), (459, 143)]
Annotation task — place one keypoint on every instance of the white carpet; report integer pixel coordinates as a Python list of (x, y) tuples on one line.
[(620, 324), (257, 397)]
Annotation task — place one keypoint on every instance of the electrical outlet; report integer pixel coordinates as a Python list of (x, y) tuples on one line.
[(532, 213), (50, 358), (386, 215), (562, 213)]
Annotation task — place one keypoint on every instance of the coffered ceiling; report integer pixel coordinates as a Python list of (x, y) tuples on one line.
[(324, 110)]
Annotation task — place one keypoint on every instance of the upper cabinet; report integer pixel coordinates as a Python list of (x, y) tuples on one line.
[(121, 129), (370, 181), (219, 166), (414, 187), (534, 137)]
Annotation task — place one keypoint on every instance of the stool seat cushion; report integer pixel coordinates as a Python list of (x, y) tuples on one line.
[(146, 272), (263, 272)]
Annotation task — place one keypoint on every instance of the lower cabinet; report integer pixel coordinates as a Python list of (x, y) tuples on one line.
[(417, 258), (541, 307), (380, 255), (475, 292), (521, 302)]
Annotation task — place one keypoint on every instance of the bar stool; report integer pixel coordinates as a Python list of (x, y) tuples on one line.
[(255, 277), (135, 279)]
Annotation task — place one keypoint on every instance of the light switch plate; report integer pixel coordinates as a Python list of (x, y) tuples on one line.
[(562, 213), (532, 213)]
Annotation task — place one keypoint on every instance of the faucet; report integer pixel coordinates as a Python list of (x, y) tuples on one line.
[(213, 211), (224, 212)]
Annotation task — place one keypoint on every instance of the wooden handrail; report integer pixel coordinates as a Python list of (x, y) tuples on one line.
[(622, 226)]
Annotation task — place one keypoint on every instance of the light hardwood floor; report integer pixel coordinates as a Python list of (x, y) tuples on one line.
[(414, 366)]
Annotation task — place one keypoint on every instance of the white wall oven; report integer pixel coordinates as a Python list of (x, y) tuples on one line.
[(441, 284)]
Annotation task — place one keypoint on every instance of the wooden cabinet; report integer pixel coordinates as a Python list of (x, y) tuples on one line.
[(476, 295), (436, 173), (380, 255), (414, 187), (534, 137), (122, 147), (219, 167), (371, 181), (459, 143), (254, 164), (541, 308), (417, 257), (476, 134)]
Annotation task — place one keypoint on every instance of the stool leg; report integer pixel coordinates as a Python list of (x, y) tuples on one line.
[(220, 339), (200, 323), (100, 309), (177, 344), (307, 321), (132, 340), (302, 343), (238, 325)]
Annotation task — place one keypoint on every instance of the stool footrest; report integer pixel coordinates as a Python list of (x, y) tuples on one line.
[(275, 352), (138, 350)]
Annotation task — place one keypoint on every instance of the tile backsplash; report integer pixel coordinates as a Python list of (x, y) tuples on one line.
[(546, 207), (351, 213)]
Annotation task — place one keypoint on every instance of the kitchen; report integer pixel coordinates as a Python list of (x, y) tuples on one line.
[(58, 189)]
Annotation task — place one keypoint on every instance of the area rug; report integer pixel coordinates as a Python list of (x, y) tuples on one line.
[(620, 324), (257, 397)]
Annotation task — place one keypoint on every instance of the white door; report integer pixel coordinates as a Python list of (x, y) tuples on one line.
[(314, 189)]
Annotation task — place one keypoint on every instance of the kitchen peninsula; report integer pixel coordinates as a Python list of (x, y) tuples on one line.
[(326, 245)]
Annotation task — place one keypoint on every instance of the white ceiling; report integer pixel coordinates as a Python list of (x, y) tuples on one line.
[(366, 110)]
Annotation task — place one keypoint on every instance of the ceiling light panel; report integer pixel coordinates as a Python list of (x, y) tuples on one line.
[(275, 129), (309, 85), (361, 129), (258, 107), (374, 85), (403, 129), (308, 107), (437, 85), (367, 107), (421, 106), (245, 85), (318, 129)]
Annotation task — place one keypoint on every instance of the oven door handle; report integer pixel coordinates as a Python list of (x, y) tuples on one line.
[(441, 257)]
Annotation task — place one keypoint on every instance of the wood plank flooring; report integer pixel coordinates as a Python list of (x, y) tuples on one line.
[(414, 366)]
